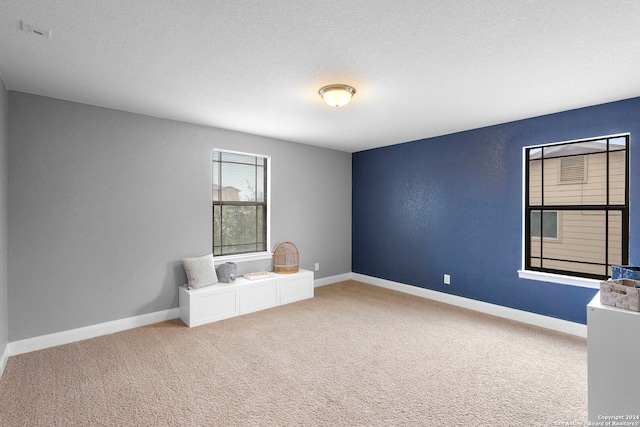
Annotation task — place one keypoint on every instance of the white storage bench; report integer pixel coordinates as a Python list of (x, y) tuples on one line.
[(242, 296)]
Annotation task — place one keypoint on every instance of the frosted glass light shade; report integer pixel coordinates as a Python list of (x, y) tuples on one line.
[(337, 95)]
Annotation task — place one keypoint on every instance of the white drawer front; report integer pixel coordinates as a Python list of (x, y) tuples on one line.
[(214, 306), (259, 296), (296, 289)]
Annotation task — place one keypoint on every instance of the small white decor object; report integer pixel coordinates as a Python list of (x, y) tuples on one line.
[(257, 275)]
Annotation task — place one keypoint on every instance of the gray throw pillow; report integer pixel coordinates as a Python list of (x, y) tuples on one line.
[(200, 271)]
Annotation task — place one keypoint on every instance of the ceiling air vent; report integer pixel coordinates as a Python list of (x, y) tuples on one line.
[(36, 30)]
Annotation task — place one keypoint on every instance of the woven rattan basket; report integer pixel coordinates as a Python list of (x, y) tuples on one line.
[(286, 258)]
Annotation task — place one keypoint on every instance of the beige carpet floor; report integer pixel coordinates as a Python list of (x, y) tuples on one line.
[(354, 355)]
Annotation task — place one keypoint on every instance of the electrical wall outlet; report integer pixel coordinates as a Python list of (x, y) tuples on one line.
[(447, 279), (317, 266)]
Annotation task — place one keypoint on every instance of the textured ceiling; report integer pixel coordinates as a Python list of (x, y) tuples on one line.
[(421, 67)]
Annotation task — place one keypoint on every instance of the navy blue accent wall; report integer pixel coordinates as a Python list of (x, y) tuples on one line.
[(453, 205)]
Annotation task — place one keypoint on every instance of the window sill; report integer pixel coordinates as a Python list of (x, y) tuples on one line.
[(560, 279), (242, 258)]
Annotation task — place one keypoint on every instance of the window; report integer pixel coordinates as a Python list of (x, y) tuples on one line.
[(576, 207), (240, 203), (550, 230)]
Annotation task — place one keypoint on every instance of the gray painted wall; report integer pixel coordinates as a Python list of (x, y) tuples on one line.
[(4, 140), (104, 204)]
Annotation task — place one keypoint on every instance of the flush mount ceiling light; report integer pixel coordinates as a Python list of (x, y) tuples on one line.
[(337, 95)]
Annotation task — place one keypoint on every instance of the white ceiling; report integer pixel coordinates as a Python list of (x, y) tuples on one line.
[(421, 68)]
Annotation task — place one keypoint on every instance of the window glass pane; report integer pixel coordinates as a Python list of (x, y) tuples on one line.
[(583, 237), (534, 222), (243, 249), (238, 182), (573, 169), (535, 248), (549, 224), (260, 191), (617, 177), (238, 225), (215, 188), (576, 180), (217, 226), (575, 148), (536, 262), (238, 158), (535, 178), (619, 143), (261, 235), (615, 238), (550, 178), (575, 267), (594, 189)]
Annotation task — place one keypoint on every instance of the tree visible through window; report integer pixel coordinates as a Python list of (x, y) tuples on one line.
[(576, 196), (239, 199)]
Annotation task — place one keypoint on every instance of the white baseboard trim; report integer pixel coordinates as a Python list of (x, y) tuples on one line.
[(65, 337), (483, 307), (332, 279), (79, 334), (3, 359)]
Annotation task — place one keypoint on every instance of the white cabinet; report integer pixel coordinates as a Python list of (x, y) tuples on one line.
[(224, 300), (258, 295), (211, 306), (295, 287), (613, 346)]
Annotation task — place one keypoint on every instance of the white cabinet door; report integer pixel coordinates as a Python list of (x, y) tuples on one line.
[(258, 296), (296, 288), (210, 307)]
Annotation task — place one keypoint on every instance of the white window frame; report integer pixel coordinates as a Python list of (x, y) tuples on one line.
[(543, 276), (254, 256)]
